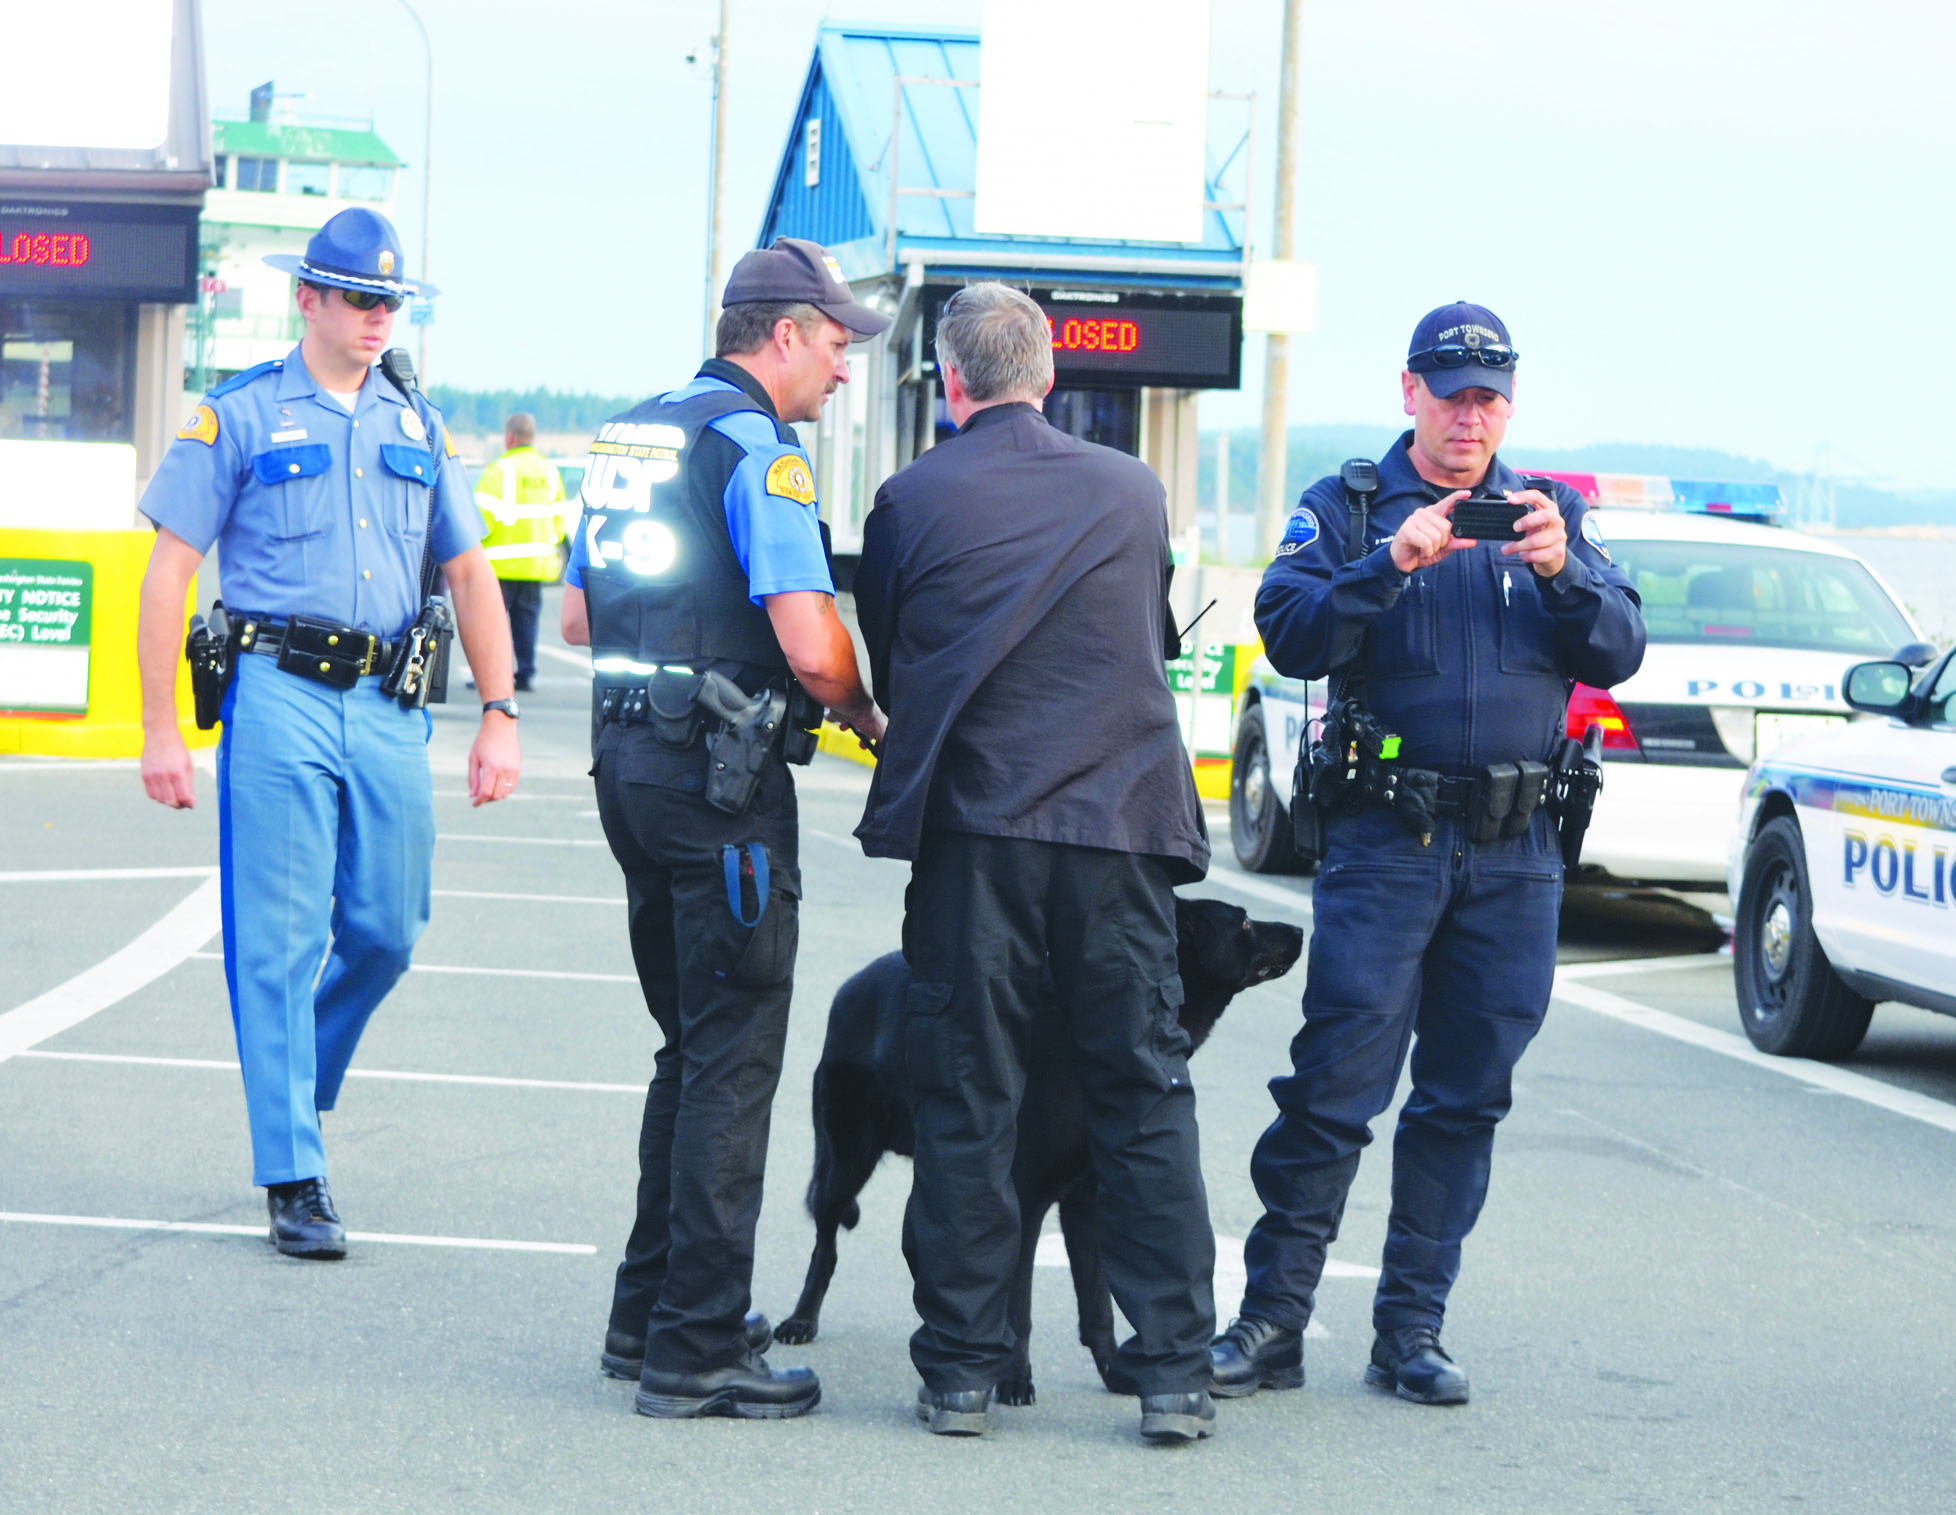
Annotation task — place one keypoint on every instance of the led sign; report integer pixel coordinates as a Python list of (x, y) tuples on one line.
[(98, 251), (1120, 339)]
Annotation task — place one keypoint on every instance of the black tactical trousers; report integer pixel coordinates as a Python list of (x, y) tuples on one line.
[(718, 990), (986, 920), (523, 600)]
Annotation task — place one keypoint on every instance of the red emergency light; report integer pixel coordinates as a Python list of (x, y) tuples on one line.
[(44, 249)]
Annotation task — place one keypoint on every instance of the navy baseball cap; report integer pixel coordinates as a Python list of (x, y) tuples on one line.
[(802, 271), (357, 249), (1462, 346)]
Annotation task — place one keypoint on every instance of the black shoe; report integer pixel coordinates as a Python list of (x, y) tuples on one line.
[(304, 1222), (750, 1390), (524, 686), (1255, 1354), (1178, 1417), (953, 1412), (1411, 1359), (624, 1356)]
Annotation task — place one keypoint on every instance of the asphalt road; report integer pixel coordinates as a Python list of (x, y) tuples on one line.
[(1703, 1280)]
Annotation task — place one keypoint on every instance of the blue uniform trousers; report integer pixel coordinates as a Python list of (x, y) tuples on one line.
[(1454, 941), (326, 824)]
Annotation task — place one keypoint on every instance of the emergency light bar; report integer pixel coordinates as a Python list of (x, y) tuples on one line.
[(1738, 500)]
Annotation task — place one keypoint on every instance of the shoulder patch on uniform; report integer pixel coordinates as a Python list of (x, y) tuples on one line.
[(201, 427), (1593, 535), (239, 380), (1300, 532), (448, 442), (788, 476)]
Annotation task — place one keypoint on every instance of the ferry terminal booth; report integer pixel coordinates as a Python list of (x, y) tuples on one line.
[(880, 168), (98, 267)]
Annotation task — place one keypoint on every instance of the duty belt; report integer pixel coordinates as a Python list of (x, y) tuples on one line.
[(323, 651), (1495, 801)]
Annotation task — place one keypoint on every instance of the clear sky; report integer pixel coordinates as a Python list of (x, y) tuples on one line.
[(1720, 223)]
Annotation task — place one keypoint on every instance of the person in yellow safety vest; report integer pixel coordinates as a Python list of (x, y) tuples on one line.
[(522, 500)]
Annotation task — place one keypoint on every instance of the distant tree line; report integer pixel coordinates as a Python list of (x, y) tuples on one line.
[(485, 410)]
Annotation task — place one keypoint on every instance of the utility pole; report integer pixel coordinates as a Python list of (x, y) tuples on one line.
[(427, 178), (1272, 504), (715, 183)]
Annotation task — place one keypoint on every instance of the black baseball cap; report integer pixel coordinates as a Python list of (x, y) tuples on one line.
[(1462, 346), (796, 270)]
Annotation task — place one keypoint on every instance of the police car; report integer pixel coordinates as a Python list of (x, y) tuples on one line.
[(1751, 629), (1843, 866)]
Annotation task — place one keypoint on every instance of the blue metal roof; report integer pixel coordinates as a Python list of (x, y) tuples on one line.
[(852, 89)]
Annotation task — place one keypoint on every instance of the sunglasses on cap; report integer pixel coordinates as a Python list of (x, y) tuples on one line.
[(1453, 355), (366, 299)]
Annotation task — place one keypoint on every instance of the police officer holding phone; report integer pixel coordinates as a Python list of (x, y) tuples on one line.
[(699, 577), (322, 485), (1437, 902)]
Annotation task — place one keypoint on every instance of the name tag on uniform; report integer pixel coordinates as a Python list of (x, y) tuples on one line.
[(298, 435)]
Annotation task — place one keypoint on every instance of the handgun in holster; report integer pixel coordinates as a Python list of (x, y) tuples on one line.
[(1578, 781), (211, 650), (418, 674), (749, 733)]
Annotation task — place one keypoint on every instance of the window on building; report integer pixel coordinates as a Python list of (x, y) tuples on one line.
[(308, 178), (67, 370), (365, 183), (259, 175), (221, 170)]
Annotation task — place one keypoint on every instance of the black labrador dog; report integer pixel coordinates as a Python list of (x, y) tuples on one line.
[(862, 1110)]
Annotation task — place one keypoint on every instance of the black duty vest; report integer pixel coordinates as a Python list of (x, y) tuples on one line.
[(664, 585)]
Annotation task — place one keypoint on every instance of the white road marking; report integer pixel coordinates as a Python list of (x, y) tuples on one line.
[(841, 841), (536, 899), (523, 795), (1630, 967), (206, 1228), (1920, 1107), (54, 764), (1256, 888), (482, 971), (101, 875), (578, 660), (524, 841), (159, 949), (221, 1066)]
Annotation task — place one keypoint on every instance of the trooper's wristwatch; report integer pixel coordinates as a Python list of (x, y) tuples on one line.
[(507, 707)]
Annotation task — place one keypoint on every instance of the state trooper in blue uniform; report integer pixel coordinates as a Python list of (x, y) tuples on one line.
[(700, 554), (319, 482), (1467, 651)]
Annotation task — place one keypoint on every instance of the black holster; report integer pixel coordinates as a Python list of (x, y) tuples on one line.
[(804, 724), (747, 738), (211, 649), (1577, 781), (418, 675)]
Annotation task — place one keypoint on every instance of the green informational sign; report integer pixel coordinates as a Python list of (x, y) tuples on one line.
[(46, 610), (1218, 670)]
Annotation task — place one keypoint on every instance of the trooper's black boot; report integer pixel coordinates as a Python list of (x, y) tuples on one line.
[(624, 1356), (304, 1222), (749, 1390), (1178, 1417), (1255, 1354), (953, 1412), (1411, 1359)]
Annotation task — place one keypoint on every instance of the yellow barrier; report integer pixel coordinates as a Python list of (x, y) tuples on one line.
[(109, 564)]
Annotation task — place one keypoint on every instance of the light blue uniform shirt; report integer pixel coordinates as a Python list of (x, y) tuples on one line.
[(315, 511), (777, 539)]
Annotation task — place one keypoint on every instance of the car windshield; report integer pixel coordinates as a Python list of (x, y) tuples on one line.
[(1713, 592)]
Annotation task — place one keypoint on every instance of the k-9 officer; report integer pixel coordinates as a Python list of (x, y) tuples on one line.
[(320, 483), (1466, 652), (699, 576)]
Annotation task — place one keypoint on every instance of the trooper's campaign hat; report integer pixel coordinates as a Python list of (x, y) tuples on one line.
[(357, 249)]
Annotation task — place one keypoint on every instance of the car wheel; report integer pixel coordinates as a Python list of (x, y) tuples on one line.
[(1790, 999), (1259, 826)]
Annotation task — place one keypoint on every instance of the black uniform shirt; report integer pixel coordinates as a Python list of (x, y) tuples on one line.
[(1013, 591)]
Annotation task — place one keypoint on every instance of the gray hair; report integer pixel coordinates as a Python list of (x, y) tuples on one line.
[(749, 326), (998, 340)]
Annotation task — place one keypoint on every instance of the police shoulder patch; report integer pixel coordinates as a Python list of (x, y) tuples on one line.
[(201, 427), (1299, 532), (1593, 535), (788, 476), (448, 442)]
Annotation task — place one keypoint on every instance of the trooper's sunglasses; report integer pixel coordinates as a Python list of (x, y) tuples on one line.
[(1454, 355), (364, 299)]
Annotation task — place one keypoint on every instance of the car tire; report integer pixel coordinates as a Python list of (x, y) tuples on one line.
[(1259, 825), (1791, 1001)]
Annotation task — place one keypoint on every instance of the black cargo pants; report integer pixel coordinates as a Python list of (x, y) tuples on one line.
[(717, 981), (986, 920)]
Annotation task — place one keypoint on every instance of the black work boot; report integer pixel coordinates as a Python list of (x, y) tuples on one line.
[(953, 1412), (1411, 1359), (1167, 1418), (624, 1356), (749, 1390), (1255, 1354), (304, 1222)]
